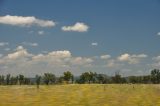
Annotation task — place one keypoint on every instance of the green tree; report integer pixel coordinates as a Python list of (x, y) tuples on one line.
[(88, 77), (26, 81), (8, 76), (38, 80), (147, 79), (21, 79), (102, 78), (2, 79), (14, 80), (60, 79), (68, 76), (117, 78), (49, 78), (155, 76)]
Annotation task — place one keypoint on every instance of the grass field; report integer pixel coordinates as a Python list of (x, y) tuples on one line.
[(81, 95)]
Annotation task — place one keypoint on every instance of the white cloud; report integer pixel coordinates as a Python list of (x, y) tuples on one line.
[(60, 54), (81, 61), (19, 48), (30, 44), (156, 62), (139, 56), (40, 32), (94, 44), (111, 63), (131, 59), (114, 64), (25, 21), (19, 53), (124, 57), (20, 61), (105, 56), (54, 57), (158, 33), (78, 27), (4, 43), (62, 58)]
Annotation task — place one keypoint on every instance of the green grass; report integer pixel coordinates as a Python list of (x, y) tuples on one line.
[(81, 95)]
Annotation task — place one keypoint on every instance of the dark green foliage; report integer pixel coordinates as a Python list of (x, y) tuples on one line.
[(8, 79), (102, 79), (67, 76), (49, 78), (2, 80), (38, 80), (60, 79), (14, 80), (86, 77), (146, 79), (26, 81), (117, 78), (155, 76), (21, 79)]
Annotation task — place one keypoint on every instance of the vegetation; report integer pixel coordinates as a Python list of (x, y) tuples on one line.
[(89, 89), (81, 95), (49, 78), (38, 80), (84, 78), (68, 76)]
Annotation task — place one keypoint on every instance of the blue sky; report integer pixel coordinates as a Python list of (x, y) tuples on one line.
[(103, 36)]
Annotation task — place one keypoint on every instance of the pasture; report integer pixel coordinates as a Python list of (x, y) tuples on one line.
[(81, 95)]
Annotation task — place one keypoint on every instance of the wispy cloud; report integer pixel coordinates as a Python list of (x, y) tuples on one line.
[(4, 43), (105, 56), (40, 32), (29, 44), (158, 33), (94, 44)]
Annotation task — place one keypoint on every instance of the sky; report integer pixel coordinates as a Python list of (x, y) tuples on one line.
[(106, 36)]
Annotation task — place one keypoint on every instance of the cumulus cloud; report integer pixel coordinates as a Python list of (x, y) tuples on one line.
[(21, 61), (60, 54), (4, 43), (19, 53), (81, 60), (25, 21), (30, 44), (156, 62), (105, 56), (131, 59), (77, 27), (114, 64), (94, 44)]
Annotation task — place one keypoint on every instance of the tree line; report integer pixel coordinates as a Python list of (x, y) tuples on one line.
[(84, 78)]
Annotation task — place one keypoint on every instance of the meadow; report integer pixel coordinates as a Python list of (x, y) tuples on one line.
[(81, 95)]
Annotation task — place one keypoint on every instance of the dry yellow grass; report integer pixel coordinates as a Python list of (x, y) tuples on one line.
[(81, 95)]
